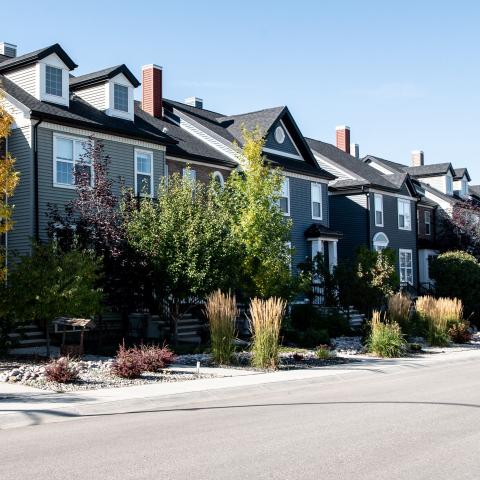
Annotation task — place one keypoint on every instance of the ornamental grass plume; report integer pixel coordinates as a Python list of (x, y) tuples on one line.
[(265, 322), (399, 310), (386, 338), (221, 311)]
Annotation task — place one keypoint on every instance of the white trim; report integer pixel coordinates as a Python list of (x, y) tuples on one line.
[(103, 136), (285, 129), (347, 173), (217, 174), (342, 127), (286, 181), (429, 223), (378, 241), (313, 186), (392, 194), (409, 251), (138, 151), (380, 168), (403, 201), (380, 197), (152, 65), (282, 154), (194, 162), (279, 134)]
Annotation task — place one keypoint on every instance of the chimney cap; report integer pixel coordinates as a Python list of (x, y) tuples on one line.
[(194, 102), (152, 65), (417, 151), (342, 127), (8, 49)]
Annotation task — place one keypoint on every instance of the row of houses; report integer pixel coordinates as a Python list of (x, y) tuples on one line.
[(336, 200)]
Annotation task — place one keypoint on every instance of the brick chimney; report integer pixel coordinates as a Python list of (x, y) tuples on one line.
[(343, 138), (355, 150), (152, 90), (417, 158)]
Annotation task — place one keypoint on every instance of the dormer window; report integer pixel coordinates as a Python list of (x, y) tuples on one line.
[(120, 97), (53, 80)]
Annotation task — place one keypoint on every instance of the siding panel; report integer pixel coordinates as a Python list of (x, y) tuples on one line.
[(25, 78)]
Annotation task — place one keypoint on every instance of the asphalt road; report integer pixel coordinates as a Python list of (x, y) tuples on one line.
[(418, 423)]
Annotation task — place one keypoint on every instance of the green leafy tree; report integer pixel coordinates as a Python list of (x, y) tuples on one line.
[(457, 275), (259, 224), (186, 235), (50, 283)]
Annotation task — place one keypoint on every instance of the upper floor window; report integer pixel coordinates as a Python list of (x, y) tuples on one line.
[(378, 210), (449, 185), (464, 188), (316, 191), (284, 200), (144, 173), (53, 81), (218, 177), (406, 266), (70, 156), (428, 223), (120, 97), (189, 174), (404, 214)]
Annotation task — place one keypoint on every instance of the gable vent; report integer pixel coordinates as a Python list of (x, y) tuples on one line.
[(8, 49)]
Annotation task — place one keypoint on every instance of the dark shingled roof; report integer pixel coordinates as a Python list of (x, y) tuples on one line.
[(430, 170), (392, 166), (366, 175), (80, 113), (474, 190), (33, 57), (460, 172), (316, 230), (102, 76)]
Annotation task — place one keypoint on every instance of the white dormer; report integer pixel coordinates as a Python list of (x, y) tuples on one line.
[(119, 97), (52, 80)]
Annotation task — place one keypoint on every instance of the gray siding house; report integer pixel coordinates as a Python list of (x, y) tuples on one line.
[(372, 210)]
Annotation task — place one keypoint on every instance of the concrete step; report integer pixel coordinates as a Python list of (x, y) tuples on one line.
[(195, 339), (31, 342), (26, 334)]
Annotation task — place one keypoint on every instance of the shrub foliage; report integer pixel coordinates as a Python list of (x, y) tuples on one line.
[(61, 370)]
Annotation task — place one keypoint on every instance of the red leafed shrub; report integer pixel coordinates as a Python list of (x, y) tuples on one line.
[(156, 358), (460, 332), (62, 370), (129, 362)]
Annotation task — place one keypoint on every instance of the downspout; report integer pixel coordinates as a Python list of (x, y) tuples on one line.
[(36, 208)]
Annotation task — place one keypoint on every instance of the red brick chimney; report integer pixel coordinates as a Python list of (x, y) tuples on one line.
[(152, 90), (343, 138)]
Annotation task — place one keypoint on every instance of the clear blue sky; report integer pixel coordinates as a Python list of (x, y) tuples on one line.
[(403, 75)]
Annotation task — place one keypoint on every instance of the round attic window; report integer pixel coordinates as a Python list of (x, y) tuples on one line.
[(279, 135)]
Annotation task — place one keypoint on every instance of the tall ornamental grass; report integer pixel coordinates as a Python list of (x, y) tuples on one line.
[(265, 322), (399, 310), (221, 311), (439, 314), (386, 338)]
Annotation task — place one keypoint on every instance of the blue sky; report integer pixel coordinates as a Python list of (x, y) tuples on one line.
[(403, 75)]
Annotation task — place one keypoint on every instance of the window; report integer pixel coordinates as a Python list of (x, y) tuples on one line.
[(428, 223), (70, 156), (279, 135), (464, 188), (53, 81), (404, 215), (189, 173), (449, 185), (316, 191), (143, 173), (218, 177), (380, 242), (378, 210), (120, 97), (406, 266), (284, 200)]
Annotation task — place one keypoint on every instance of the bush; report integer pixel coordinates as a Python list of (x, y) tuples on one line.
[(221, 311), (386, 338), (399, 310), (460, 332), (439, 314), (62, 370), (129, 362), (265, 321), (156, 358), (323, 352), (457, 275), (312, 338)]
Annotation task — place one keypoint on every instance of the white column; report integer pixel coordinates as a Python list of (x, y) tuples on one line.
[(332, 255), (317, 247)]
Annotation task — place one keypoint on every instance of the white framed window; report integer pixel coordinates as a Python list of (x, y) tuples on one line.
[(316, 194), (428, 222), (279, 135), (380, 242), (120, 97), (404, 214), (53, 81), (464, 191), (70, 155), (284, 200), (378, 200), (406, 266), (143, 173), (218, 177), (189, 174), (449, 185)]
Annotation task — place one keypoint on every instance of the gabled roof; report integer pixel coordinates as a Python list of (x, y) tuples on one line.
[(364, 173), (33, 57), (474, 190), (392, 166), (229, 127), (316, 230), (102, 76), (81, 113), (460, 173), (447, 198)]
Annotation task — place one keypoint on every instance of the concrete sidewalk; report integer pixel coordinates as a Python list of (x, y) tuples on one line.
[(22, 406)]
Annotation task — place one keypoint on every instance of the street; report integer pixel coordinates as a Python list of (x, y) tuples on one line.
[(418, 423)]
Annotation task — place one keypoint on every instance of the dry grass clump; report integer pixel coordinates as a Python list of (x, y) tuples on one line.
[(399, 310), (62, 370), (221, 311), (386, 338), (439, 314), (265, 322)]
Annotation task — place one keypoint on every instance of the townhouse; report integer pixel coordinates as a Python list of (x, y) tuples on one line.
[(372, 209)]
